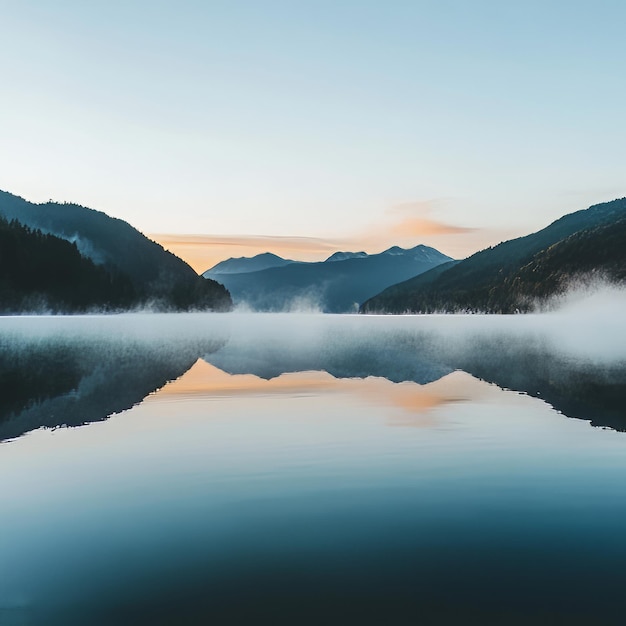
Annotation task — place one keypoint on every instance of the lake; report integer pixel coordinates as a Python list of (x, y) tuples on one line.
[(296, 469)]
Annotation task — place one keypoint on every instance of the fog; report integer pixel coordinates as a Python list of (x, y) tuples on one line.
[(59, 370), (588, 325), (185, 480)]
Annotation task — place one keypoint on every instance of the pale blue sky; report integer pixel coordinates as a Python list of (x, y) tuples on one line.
[(315, 118)]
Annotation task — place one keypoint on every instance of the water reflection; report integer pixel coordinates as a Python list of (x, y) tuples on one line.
[(295, 470), (524, 358), (81, 372), (69, 379), (408, 400)]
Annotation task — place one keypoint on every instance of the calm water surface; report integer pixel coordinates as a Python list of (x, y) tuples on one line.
[(239, 469)]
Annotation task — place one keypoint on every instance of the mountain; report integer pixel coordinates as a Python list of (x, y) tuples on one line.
[(518, 274), (334, 286), (242, 265), (41, 272), (342, 256), (590, 253), (158, 276)]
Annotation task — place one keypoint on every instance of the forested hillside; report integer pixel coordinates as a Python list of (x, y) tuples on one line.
[(41, 272), (153, 276), (519, 274)]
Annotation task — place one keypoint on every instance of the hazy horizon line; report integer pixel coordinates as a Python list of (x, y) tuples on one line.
[(204, 251)]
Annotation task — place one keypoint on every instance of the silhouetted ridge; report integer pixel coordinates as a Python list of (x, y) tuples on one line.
[(244, 264), (42, 272), (508, 277), (157, 276), (342, 256)]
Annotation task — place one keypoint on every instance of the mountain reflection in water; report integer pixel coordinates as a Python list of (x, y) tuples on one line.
[(309, 469), (70, 381), (63, 378), (206, 381)]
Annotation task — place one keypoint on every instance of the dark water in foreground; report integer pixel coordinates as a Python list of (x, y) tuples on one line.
[(312, 469)]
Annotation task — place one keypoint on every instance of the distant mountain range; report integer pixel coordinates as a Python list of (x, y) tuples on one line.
[(155, 276), (516, 275), (336, 285), (243, 265), (342, 256)]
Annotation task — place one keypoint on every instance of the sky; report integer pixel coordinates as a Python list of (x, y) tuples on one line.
[(223, 128)]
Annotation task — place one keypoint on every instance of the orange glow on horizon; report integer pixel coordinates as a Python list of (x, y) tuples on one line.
[(202, 252), (205, 251), (405, 225)]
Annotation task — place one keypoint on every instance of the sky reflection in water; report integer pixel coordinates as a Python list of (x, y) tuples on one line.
[(269, 483)]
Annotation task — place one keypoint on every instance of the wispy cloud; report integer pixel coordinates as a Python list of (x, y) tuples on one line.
[(415, 219), (204, 251), (407, 225), (411, 223)]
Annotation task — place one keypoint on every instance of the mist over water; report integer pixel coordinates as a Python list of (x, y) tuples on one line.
[(307, 468)]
